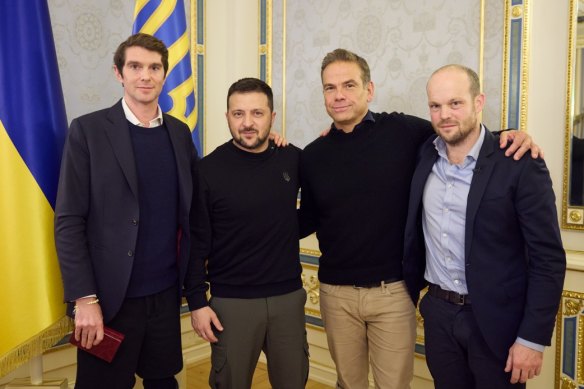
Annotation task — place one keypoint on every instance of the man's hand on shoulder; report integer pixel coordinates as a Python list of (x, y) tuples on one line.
[(280, 141), (201, 320), (88, 322), (523, 362), (521, 143)]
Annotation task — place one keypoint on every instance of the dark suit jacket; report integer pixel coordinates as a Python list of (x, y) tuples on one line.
[(515, 263), (97, 214)]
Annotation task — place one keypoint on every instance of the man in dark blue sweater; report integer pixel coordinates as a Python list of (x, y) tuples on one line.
[(246, 247), (355, 188), (122, 225)]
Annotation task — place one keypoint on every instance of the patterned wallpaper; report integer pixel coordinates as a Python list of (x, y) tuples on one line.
[(402, 40), (87, 33)]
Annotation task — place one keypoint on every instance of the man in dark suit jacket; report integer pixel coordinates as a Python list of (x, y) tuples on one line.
[(482, 231), (122, 225)]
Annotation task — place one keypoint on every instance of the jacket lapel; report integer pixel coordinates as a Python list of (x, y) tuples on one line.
[(482, 173), (182, 161), (119, 135), (427, 159)]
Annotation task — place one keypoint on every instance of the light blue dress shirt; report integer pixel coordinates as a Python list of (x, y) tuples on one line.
[(444, 217)]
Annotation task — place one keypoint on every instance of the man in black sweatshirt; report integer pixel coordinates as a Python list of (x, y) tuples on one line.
[(246, 247), (355, 188)]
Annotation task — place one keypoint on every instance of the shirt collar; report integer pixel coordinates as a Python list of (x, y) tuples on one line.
[(367, 118), (157, 121), (473, 153)]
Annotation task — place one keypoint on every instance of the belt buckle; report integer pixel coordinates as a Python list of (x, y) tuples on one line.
[(460, 299)]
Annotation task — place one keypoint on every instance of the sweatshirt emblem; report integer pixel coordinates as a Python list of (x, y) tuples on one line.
[(286, 176)]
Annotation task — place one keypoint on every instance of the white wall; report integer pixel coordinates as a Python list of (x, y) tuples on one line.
[(232, 38)]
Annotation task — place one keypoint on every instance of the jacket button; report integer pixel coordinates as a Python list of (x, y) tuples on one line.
[(134, 222), (130, 253)]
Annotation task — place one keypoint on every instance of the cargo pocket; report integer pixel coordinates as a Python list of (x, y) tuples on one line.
[(220, 376)]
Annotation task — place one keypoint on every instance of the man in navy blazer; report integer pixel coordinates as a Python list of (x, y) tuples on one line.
[(122, 225), (482, 232)]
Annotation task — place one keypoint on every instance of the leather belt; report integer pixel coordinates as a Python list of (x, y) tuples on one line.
[(448, 295), (376, 284)]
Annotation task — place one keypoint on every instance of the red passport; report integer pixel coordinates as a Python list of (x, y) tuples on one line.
[(108, 347)]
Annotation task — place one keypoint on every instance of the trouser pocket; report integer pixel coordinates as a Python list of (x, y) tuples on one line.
[(220, 377)]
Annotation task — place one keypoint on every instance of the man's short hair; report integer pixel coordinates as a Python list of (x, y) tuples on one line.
[(249, 84), (342, 55), (473, 77), (145, 41)]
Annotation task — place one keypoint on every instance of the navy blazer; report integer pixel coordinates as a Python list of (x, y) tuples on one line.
[(515, 262), (97, 213)]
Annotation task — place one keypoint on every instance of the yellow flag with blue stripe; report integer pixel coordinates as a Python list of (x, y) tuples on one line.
[(32, 132), (165, 19)]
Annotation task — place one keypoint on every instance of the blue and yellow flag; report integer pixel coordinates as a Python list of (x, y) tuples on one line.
[(165, 19), (32, 132)]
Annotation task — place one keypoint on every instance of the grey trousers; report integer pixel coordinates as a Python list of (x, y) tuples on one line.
[(273, 324)]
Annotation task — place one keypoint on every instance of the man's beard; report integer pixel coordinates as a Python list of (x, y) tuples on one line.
[(464, 130), (258, 142)]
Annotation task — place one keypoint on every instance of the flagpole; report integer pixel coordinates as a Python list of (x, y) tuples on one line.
[(36, 370), (35, 366)]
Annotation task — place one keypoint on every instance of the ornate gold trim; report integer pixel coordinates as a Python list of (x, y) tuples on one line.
[(571, 216), (284, 68), (482, 45), (312, 287), (315, 327), (269, 41), (309, 266), (312, 253), (580, 358), (265, 49), (572, 304), (524, 67), (197, 49), (505, 78), (515, 12)]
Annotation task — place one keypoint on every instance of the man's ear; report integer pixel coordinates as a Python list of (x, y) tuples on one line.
[(118, 74), (479, 102), (370, 91)]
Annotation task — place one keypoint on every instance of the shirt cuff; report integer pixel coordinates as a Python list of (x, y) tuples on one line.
[(531, 345), (85, 297)]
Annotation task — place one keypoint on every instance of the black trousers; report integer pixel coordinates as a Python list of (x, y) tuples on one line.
[(151, 347), (456, 352)]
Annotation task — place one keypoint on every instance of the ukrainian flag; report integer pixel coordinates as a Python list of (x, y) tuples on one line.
[(165, 19), (32, 132)]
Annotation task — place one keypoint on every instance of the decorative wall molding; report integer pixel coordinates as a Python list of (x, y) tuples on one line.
[(570, 341)]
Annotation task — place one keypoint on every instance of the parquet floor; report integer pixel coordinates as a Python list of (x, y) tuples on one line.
[(198, 377)]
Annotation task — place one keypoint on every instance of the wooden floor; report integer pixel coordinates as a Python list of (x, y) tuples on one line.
[(198, 377)]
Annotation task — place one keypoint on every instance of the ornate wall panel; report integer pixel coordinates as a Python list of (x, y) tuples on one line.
[(309, 261), (515, 76), (570, 342)]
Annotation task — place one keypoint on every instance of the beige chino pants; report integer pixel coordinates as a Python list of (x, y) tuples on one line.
[(376, 325)]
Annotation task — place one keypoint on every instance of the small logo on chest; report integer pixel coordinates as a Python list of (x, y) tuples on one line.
[(286, 176)]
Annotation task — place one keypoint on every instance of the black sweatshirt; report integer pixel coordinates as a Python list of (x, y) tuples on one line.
[(355, 189), (246, 225)]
